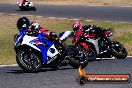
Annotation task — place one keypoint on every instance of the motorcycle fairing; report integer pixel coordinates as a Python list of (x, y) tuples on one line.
[(20, 37), (26, 3), (47, 48), (95, 42), (52, 53), (26, 41)]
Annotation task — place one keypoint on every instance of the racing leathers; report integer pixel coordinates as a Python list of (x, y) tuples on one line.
[(27, 3)]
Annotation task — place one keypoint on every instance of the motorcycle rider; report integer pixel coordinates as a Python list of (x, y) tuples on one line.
[(27, 3), (90, 31), (77, 31), (35, 29), (22, 23)]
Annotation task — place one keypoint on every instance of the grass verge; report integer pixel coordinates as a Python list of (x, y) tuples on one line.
[(122, 32)]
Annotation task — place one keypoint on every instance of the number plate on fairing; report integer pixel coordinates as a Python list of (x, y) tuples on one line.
[(52, 54)]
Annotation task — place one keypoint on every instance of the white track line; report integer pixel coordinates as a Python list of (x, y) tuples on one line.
[(64, 18), (88, 20), (106, 58), (129, 56), (96, 58), (110, 58), (8, 65)]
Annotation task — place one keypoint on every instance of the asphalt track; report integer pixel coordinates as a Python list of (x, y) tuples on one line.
[(65, 77), (121, 14)]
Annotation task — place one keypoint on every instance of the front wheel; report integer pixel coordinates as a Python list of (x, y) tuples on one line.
[(118, 50), (28, 61)]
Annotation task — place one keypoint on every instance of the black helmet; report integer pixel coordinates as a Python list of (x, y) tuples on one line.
[(23, 23)]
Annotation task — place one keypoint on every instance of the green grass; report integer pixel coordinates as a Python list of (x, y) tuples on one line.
[(122, 33)]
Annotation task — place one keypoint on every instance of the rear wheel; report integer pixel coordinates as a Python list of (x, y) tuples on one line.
[(29, 62), (34, 8)]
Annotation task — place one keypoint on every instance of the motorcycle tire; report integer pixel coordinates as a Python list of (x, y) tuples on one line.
[(34, 64), (75, 63), (119, 54)]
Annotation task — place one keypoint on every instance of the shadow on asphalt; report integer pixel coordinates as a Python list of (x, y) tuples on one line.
[(24, 10), (42, 70)]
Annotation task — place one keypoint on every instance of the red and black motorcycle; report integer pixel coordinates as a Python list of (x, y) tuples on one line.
[(26, 6), (98, 41)]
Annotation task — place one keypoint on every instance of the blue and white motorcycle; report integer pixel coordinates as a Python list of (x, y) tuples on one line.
[(33, 53)]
